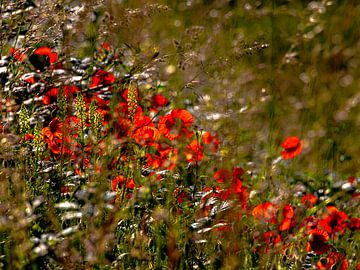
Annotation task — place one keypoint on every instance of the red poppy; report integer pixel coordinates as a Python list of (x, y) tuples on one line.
[(334, 221), (53, 130), (19, 56), (173, 125), (105, 46), (272, 239), (212, 141), (331, 259), (146, 135), (292, 147), (120, 180), (265, 212), (288, 215), (309, 200), (354, 224), (222, 175), (43, 57), (102, 78), (158, 101), (194, 152), (317, 241), (165, 157)]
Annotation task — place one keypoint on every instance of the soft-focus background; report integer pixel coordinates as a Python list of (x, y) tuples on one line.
[(253, 72)]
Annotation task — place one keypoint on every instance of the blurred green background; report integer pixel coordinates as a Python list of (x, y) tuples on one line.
[(255, 72), (258, 71)]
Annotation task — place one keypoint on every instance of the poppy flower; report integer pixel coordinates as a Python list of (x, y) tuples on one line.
[(175, 124), (222, 175), (101, 78), (120, 180), (354, 224), (146, 135), (213, 142), (317, 241), (271, 239), (309, 200), (194, 152), (53, 130), (332, 259), (265, 212), (334, 221), (288, 215), (165, 157), (292, 147), (43, 57), (19, 56), (105, 46), (158, 101)]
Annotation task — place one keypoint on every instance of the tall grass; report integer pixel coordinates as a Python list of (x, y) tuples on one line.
[(179, 135)]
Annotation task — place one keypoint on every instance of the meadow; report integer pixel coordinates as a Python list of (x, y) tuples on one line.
[(192, 134)]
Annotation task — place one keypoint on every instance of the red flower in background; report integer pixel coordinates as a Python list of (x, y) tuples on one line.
[(165, 157), (120, 180), (354, 224), (212, 141), (43, 57), (51, 95), (332, 259), (158, 101), (309, 200), (288, 218), (194, 152), (272, 239), (19, 56), (265, 212), (146, 135), (222, 175), (102, 78), (173, 125), (292, 147)]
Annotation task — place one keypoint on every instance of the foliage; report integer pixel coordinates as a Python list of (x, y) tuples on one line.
[(179, 135)]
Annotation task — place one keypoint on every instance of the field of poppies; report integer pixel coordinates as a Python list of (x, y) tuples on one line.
[(148, 136)]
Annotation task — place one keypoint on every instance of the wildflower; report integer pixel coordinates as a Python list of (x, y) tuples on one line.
[(309, 200), (52, 95), (222, 175), (175, 124), (265, 212), (354, 224), (146, 135), (194, 152), (212, 141), (317, 241), (120, 180), (292, 147), (334, 221), (165, 157), (288, 215), (331, 259), (158, 101), (19, 56), (272, 239), (43, 57), (102, 78), (54, 130)]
